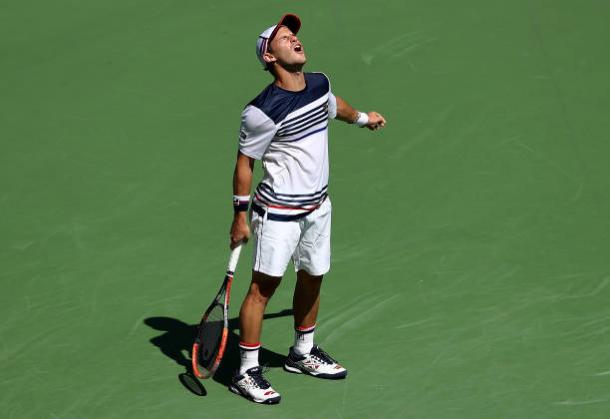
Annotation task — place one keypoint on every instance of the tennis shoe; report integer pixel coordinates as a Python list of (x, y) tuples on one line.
[(316, 363), (254, 386)]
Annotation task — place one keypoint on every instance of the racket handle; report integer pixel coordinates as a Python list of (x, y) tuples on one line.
[(234, 258)]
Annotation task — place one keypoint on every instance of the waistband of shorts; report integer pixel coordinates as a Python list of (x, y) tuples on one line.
[(282, 217)]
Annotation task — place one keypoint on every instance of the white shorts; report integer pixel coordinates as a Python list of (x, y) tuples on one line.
[(305, 240)]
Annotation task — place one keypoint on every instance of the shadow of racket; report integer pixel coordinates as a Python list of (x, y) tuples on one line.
[(177, 340)]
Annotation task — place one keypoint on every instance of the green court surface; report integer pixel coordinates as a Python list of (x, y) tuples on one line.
[(471, 272)]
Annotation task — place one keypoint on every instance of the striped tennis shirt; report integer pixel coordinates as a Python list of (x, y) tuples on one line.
[(288, 131)]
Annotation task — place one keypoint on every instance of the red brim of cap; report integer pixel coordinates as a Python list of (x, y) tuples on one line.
[(289, 20)]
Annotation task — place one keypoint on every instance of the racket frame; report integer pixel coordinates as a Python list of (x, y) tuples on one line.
[(226, 287)]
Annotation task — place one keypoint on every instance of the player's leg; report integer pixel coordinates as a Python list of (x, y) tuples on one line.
[(304, 356), (274, 243), (249, 381), (305, 304), (312, 261), (251, 315)]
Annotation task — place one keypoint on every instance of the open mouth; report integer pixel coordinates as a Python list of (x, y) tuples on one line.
[(298, 48)]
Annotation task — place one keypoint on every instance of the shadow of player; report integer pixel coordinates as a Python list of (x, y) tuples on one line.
[(178, 337)]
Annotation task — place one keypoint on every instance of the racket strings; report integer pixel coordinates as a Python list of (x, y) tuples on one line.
[(210, 337)]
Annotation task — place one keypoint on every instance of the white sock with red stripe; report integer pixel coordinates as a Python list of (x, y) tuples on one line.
[(303, 339), (248, 353)]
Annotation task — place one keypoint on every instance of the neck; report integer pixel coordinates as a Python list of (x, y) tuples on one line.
[(288, 79)]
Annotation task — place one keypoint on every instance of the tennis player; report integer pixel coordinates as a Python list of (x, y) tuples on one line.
[(286, 126)]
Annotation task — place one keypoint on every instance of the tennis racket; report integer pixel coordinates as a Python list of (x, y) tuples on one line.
[(211, 339)]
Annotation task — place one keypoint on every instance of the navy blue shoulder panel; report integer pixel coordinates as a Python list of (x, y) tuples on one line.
[(276, 103)]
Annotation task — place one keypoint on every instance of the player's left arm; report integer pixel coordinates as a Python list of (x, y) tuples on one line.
[(345, 112)]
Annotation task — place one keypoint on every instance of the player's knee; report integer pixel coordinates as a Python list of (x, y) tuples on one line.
[(304, 278), (260, 299), (263, 287), (260, 296)]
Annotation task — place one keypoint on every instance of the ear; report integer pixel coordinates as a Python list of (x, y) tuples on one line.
[(269, 58)]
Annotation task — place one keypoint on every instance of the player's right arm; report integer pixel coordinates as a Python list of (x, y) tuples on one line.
[(242, 181), (255, 135)]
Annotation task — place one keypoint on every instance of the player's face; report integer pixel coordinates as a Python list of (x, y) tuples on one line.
[(287, 49)]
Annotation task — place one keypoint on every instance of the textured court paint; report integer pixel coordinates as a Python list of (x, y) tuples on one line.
[(470, 276)]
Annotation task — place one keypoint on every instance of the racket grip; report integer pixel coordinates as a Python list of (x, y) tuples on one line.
[(234, 258)]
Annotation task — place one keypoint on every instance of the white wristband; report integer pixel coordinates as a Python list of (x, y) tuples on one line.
[(362, 119)]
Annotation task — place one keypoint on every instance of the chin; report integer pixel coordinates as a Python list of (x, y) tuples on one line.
[(302, 61), (296, 65)]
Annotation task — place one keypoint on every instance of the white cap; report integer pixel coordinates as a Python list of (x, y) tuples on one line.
[(289, 20)]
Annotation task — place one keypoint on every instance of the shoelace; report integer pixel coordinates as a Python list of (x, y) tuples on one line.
[(318, 353), (259, 380)]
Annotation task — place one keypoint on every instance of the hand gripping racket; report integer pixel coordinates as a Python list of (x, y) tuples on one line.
[(209, 346)]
